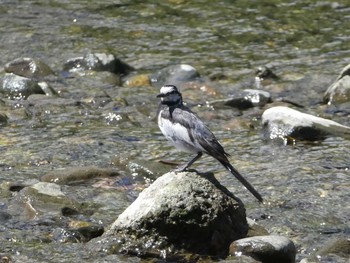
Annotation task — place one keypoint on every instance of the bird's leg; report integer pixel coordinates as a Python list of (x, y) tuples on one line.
[(185, 166)]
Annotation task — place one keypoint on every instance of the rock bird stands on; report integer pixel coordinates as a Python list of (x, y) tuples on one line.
[(186, 131)]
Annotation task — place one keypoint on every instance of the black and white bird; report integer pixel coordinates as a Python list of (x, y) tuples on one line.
[(187, 132)]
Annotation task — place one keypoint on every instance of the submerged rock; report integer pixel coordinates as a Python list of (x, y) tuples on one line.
[(255, 229), (141, 80), (4, 216), (266, 249), (98, 62), (29, 68), (41, 199), (339, 247), (3, 118), (283, 123), (339, 91), (78, 174), (179, 211), (78, 235), (264, 72), (248, 98)]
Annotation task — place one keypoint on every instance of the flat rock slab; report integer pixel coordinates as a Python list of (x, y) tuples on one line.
[(283, 122), (186, 212)]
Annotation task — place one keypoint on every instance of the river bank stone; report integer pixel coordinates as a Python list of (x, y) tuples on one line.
[(3, 118), (286, 123), (98, 62), (246, 99), (78, 235), (18, 88), (40, 199), (140, 80), (174, 75), (255, 229), (266, 249), (339, 247), (179, 212), (28, 68), (339, 91)]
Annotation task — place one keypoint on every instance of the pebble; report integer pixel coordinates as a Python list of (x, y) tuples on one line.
[(339, 91), (267, 249)]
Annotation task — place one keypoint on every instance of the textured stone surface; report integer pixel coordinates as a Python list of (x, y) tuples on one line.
[(181, 211), (282, 122), (267, 249)]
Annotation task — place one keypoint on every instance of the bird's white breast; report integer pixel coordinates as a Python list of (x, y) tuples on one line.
[(177, 135)]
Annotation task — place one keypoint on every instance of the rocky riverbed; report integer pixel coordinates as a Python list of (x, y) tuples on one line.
[(79, 140)]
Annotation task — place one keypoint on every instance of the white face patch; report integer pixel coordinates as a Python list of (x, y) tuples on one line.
[(187, 67), (166, 89)]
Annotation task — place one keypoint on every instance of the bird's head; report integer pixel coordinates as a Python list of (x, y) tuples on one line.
[(170, 95)]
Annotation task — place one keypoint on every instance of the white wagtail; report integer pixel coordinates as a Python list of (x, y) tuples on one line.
[(187, 132)]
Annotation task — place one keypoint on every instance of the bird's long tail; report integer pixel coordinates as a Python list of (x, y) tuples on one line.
[(229, 167)]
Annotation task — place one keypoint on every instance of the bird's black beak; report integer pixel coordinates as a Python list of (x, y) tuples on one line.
[(160, 95)]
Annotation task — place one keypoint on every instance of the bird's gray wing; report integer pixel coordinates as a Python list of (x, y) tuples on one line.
[(200, 133)]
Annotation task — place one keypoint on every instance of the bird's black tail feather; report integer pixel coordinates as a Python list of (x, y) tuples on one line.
[(229, 167)]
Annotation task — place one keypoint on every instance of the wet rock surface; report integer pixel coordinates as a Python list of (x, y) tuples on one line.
[(178, 211), (98, 62), (266, 249), (283, 122), (339, 91), (28, 68), (19, 88), (78, 174), (248, 98), (175, 75), (339, 247), (89, 111)]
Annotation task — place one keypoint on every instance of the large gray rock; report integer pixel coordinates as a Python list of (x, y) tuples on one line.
[(283, 123), (179, 211), (18, 88), (339, 91), (266, 249), (174, 75), (98, 62), (29, 68)]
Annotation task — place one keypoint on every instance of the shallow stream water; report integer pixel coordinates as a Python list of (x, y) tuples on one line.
[(306, 43)]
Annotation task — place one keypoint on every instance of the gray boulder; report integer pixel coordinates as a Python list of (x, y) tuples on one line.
[(339, 246), (41, 199), (339, 91), (248, 98), (266, 249), (98, 62), (29, 68), (174, 75), (178, 212), (18, 88), (283, 123)]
